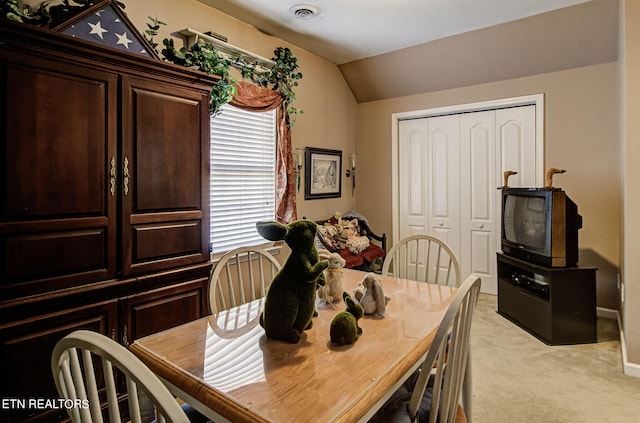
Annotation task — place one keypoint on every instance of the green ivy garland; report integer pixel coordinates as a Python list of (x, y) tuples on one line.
[(203, 56)]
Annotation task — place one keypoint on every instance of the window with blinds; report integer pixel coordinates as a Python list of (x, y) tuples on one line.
[(243, 163)]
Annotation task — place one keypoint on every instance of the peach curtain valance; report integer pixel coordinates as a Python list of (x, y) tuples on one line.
[(259, 99)]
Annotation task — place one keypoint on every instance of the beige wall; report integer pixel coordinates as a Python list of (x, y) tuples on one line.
[(330, 110), (581, 136), (630, 153)]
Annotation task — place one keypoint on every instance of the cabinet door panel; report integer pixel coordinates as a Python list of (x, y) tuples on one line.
[(158, 240), (58, 197), (40, 255), (162, 309), (25, 350), (167, 152), (166, 204), (56, 143)]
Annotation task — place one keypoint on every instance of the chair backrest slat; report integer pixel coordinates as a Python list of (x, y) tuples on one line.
[(261, 273), (92, 386), (76, 374), (110, 388), (232, 295), (436, 267), (240, 296), (426, 257), (251, 258), (134, 404), (69, 390), (407, 259)]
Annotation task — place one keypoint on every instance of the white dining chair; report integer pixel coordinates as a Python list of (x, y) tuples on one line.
[(423, 258), (426, 258), (240, 276), (83, 361), (434, 396)]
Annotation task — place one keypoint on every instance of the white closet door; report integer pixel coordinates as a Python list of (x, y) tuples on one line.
[(516, 132), (412, 177), (479, 195), (444, 179), (429, 176), (429, 179)]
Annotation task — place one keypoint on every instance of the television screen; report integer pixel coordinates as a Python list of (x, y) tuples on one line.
[(540, 225), (524, 221)]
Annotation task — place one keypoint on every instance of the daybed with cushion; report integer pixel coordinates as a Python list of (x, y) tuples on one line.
[(351, 236)]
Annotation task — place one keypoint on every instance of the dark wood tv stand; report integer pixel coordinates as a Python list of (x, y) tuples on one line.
[(556, 305)]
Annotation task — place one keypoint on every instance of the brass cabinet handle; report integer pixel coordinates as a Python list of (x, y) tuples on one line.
[(125, 341), (126, 175), (112, 177)]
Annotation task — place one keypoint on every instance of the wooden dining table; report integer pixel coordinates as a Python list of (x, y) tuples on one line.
[(224, 366)]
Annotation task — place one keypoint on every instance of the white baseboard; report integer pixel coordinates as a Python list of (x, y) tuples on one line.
[(629, 369), (607, 313)]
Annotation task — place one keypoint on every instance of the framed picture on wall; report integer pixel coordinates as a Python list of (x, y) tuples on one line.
[(323, 173)]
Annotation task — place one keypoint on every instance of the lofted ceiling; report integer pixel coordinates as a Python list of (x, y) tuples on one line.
[(437, 44), (344, 31)]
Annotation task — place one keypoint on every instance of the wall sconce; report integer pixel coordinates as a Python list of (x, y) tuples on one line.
[(298, 157), (351, 172)]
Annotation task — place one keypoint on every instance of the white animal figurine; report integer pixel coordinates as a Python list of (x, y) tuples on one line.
[(332, 289), (370, 296)]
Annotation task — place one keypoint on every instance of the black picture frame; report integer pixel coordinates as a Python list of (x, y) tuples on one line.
[(323, 173)]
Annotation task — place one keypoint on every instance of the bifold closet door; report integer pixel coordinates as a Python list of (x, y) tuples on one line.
[(429, 178), (449, 170), (479, 197), (491, 142)]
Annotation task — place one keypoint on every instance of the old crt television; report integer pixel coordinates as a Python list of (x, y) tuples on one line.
[(540, 225)]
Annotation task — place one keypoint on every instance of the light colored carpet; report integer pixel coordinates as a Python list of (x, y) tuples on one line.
[(517, 378)]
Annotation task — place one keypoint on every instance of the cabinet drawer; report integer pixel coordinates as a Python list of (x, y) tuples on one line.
[(529, 311), (160, 309)]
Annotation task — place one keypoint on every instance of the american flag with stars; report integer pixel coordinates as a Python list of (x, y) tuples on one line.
[(107, 27)]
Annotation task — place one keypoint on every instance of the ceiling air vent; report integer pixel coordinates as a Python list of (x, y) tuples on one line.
[(304, 11)]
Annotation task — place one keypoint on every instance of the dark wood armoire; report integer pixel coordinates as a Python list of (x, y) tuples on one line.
[(104, 200)]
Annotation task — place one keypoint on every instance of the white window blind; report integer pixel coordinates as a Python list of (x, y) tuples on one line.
[(242, 176)]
